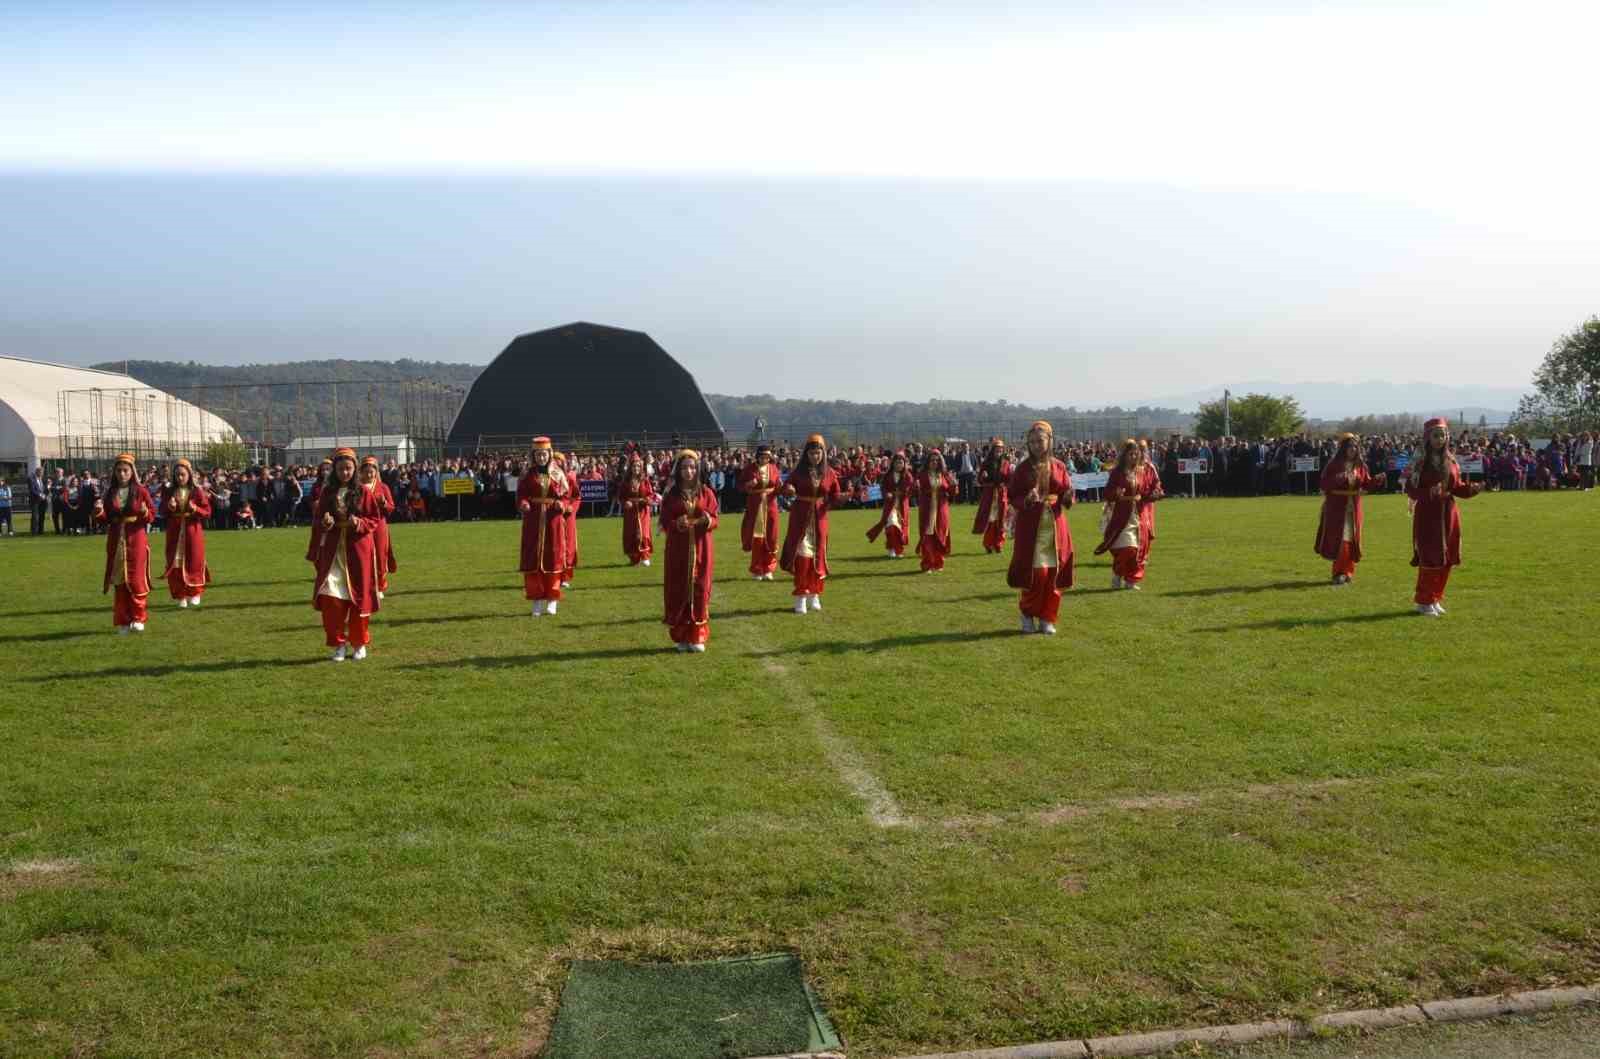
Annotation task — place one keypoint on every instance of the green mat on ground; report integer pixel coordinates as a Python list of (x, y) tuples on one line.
[(720, 1009)]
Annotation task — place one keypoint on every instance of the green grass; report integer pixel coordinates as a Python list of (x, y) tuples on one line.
[(1238, 794)]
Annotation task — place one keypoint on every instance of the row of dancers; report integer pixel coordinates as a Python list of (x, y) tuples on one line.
[(1026, 501)]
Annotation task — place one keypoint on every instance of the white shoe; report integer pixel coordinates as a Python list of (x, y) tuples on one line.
[(1439, 607), (550, 606), (766, 577), (338, 653), (800, 604), (183, 603), (681, 648), (380, 595), (757, 577), (816, 602), (566, 584), (698, 648), (1426, 610), (1048, 629), (195, 601), (538, 608), (1131, 586), (361, 653), (137, 626), (644, 562), (122, 630), (1116, 582), (1027, 623)]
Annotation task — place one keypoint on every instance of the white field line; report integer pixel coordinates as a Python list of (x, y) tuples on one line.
[(882, 809)]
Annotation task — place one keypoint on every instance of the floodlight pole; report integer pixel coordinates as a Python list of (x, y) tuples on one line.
[(1227, 414)]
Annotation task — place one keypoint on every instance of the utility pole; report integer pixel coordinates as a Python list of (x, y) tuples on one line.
[(1227, 414)]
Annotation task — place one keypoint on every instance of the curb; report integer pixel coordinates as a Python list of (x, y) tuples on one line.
[(1462, 1009)]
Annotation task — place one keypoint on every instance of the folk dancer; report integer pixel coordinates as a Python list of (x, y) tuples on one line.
[(758, 532), (689, 516), (1434, 483), (1339, 531), (187, 506), (1042, 559), (540, 497), (934, 486), (814, 488), (1128, 521), (898, 485), (127, 510), (346, 589)]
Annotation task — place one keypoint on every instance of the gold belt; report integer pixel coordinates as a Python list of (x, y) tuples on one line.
[(1051, 499), (544, 499), (129, 518)]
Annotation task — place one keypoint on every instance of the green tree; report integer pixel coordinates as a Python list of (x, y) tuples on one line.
[(1254, 415), (226, 455), (1567, 385)]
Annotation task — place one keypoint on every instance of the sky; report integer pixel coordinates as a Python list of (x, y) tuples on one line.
[(1063, 204)]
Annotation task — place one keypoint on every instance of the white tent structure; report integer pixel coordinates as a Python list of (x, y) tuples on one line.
[(59, 412)]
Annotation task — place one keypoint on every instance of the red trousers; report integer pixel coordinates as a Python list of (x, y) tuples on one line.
[(806, 580), (994, 536), (127, 608), (763, 560), (541, 586), (180, 590), (894, 539), (1430, 583), (689, 632), (1126, 564), (1344, 565), (343, 623), (1042, 599), (932, 557)]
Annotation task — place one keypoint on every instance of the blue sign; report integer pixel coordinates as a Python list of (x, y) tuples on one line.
[(594, 490), (874, 494)]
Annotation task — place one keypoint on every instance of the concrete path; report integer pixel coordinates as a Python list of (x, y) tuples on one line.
[(1572, 1034)]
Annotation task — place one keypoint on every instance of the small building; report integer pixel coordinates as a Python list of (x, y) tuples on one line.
[(396, 447)]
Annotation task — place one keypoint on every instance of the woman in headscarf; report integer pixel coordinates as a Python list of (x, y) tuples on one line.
[(127, 511), (1130, 515), (689, 520), (993, 477), (898, 486), (1339, 533), (314, 548), (383, 550), (1434, 484), (758, 532), (540, 495), (814, 488), (934, 486), (1042, 560), (569, 512), (636, 494), (346, 589), (187, 506)]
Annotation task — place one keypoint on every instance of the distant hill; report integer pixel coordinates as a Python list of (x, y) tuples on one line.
[(792, 419), (1337, 400), (262, 403)]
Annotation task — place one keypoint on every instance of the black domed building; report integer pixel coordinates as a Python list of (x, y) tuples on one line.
[(584, 385)]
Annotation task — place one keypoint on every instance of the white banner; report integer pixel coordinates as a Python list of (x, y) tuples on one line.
[(1303, 465), (1192, 466), (1472, 466), (1091, 480)]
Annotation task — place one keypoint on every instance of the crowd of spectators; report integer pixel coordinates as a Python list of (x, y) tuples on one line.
[(264, 497)]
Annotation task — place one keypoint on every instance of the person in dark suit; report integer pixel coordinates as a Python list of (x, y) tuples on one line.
[(39, 495)]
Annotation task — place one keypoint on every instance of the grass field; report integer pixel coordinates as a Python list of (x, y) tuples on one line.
[(1238, 794)]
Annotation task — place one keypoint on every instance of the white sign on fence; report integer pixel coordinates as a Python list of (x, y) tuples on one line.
[(1192, 466), (1090, 480), (1472, 466), (1303, 465)]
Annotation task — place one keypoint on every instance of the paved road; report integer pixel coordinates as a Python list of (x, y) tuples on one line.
[(1573, 1034)]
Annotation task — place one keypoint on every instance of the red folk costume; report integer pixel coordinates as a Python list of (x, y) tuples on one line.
[(314, 546), (636, 495), (187, 507), (934, 486), (569, 513), (805, 545), (689, 523), (382, 549), (1434, 486), (127, 511), (1042, 559), (898, 486), (758, 533), (1130, 517), (994, 478), (544, 530), (346, 589), (1339, 532)]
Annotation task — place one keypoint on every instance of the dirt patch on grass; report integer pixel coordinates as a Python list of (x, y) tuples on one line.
[(24, 875)]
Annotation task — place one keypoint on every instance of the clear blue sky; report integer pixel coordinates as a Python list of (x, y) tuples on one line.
[(1074, 203)]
